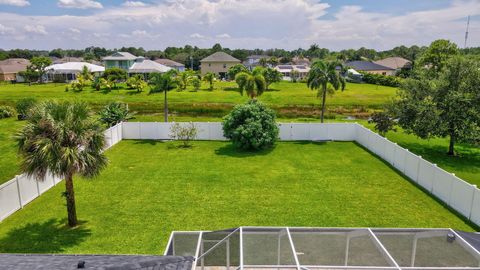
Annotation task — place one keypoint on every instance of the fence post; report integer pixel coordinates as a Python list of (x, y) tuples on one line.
[(435, 169), (18, 191), (418, 168)]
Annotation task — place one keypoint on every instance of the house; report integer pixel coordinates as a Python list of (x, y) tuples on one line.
[(396, 63), (123, 60), (218, 63), (171, 64), (145, 66), (371, 67), (10, 68), (287, 70), (68, 71), (253, 61)]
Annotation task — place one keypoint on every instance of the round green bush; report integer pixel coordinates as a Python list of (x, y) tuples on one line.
[(6, 112), (251, 126)]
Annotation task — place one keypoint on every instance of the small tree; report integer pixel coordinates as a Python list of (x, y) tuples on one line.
[(235, 69), (114, 113), (253, 83), (184, 78), (115, 75), (136, 82), (271, 75), (29, 75), (251, 126), (86, 74), (186, 133), (163, 83), (435, 57), (383, 122), (39, 65), (24, 106), (294, 75), (62, 138), (210, 77), (196, 83)]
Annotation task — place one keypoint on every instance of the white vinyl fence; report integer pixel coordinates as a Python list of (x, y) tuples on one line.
[(22, 189), (453, 191)]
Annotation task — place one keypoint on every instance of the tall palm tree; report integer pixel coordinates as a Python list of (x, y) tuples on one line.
[(62, 138), (210, 78), (163, 83), (251, 82), (322, 77)]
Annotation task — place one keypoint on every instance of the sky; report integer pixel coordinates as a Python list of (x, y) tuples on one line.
[(250, 24)]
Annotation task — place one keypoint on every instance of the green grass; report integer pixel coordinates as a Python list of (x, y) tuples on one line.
[(151, 188), (289, 99), (9, 163)]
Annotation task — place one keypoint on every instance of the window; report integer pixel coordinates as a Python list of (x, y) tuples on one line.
[(384, 73), (224, 65), (209, 65)]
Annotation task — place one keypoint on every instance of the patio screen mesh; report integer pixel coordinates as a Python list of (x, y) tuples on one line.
[(255, 248)]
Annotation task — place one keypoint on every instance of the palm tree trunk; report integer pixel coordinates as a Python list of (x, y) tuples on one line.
[(70, 196), (165, 108), (324, 97)]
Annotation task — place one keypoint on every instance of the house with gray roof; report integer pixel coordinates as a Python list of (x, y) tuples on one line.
[(10, 68), (396, 63), (218, 63), (171, 64), (123, 60), (371, 67)]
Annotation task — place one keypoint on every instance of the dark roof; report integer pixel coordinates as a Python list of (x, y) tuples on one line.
[(220, 57), (366, 65), (98, 262), (473, 238)]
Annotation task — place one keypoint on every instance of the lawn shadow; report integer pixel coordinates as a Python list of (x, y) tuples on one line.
[(272, 90), (231, 89), (310, 142), (133, 92), (150, 142), (51, 236), (231, 151)]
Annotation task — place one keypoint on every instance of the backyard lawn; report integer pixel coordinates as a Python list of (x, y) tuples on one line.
[(288, 98), (151, 188)]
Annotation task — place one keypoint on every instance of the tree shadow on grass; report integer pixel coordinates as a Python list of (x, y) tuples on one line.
[(51, 236), (231, 89), (272, 90), (310, 142), (231, 151), (150, 142)]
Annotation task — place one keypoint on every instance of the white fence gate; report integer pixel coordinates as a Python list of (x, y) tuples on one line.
[(453, 191)]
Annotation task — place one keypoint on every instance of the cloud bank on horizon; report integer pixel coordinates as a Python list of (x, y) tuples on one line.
[(288, 24)]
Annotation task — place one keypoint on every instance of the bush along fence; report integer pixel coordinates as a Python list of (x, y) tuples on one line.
[(453, 191), (22, 189)]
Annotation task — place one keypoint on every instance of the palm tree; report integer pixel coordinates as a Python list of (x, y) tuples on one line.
[(210, 78), (322, 77), (251, 82), (86, 74), (163, 83), (63, 139)]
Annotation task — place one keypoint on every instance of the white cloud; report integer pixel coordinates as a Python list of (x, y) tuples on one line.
[(80, 4), (134, 4), (139, 33), (35, 29), (74, 30), (5, 30), (197, 35), (18, 3), (225, 35)]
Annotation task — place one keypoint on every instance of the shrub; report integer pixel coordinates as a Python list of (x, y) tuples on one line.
[(196, 83), (381, 79), (24, 106), (6, 112), (136, 82), (186, 133), (251, 126), (114, 113), (383, 122)]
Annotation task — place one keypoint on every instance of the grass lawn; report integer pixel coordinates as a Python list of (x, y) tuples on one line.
[(9, 163), (286, 97), (151, 188)]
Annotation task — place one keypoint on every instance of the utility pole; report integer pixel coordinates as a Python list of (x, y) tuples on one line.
[(466, 32)]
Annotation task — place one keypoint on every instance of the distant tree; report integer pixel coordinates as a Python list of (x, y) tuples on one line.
[(263, 62), (235, 69), (294, 75), (115, 75), (436, 56), (39, 64), (59, 53), (383, 122), (273, 61), (217, 48), (86, 74), (271, 75), (184, 78), (196, 83), (63, 139), (163, 83), (137, 82), (445, 107), (115, 112), (251, 82), (323, 77), (210, 77)]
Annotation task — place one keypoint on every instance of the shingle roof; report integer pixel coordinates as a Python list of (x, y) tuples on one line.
[(147, 66), (13, 65), (365, 65), (93, 262), (121, 56), (220, 57), (394, 62), (169, 63)]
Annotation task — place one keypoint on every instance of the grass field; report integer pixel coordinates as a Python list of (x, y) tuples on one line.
[(289, 99), (151, 188)]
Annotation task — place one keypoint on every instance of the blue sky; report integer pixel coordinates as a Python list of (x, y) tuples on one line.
[(289, 24)]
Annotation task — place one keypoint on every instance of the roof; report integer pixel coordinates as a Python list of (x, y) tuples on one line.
[(13, 65), (257, 56), (366, 65), (289, 68), (147, 66), (394, 62), (74, 67), (120, 56), (66, 59), (169, 63), (118, 262), (220, 57), (300, 60)]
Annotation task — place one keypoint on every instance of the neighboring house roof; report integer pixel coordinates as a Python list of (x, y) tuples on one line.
[(366, 66), (220, 57), (13, 65), (169, 63), (117, 262), (290, 68), (394, 62), (147, 66), (73, 67), (120, 56), (66, 59), (257, 56)]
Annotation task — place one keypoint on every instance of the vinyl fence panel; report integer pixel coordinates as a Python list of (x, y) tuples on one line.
[(442, 185), (45, 184), (461, 197), (341, 132), (216, 131), (149, 131), (389, 151), (28, 188), (399, 158), (203, 130), (131, 130), (362, 134), (411, 166), (318, 132), (164, 130), (426, 173), (300, 132), (285, 132), (475, 213), (9, 200)]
